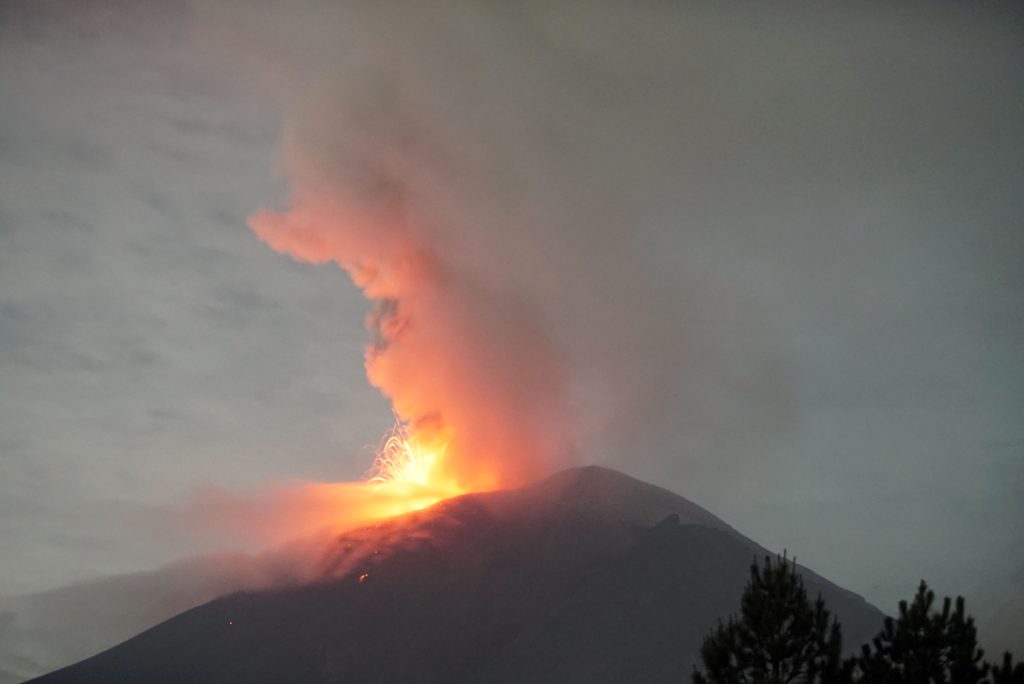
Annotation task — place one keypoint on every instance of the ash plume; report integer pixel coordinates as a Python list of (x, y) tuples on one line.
[(760, 250), (453, 349), (498, 181)]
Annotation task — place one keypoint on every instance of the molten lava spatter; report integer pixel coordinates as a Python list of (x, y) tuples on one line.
[(409, 466)]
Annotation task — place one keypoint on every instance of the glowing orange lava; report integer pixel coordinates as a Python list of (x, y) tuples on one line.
[(409, 468), (412, 470)]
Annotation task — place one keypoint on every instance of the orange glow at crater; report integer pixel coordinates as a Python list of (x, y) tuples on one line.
[(409, 469), (476, 383)]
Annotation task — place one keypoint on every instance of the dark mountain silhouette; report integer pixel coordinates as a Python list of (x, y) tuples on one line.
[(587, 576)]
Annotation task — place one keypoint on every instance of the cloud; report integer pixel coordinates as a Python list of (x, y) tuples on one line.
[(148, 342)]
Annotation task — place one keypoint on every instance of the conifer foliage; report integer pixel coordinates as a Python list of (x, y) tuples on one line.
[(779, 637), (925, 646), (1008, 672)]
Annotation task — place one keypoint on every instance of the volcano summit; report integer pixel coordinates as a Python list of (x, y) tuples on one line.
[(586, 576)]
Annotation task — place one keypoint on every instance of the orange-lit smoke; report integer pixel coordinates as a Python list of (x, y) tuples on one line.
[(475, 382), (296, 517)]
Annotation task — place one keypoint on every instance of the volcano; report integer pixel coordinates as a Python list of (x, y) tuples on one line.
[(586, 576)]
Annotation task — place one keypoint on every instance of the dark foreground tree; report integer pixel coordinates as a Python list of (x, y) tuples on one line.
[(1008, 672), (924, 646), (779, 636)]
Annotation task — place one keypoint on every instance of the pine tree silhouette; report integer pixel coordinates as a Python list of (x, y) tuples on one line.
[(924, 646), (1008, 672), (779, 636)]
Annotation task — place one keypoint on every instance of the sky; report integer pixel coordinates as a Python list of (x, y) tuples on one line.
[(779, 251)]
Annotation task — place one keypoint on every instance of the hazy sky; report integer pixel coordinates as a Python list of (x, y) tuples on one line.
[(781, 252)]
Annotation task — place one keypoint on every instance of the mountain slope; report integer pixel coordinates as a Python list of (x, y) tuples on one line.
[(47, 630), (586, 576)]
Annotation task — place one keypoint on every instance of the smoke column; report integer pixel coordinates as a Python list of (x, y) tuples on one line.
[(462, 362), (742, 226)]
